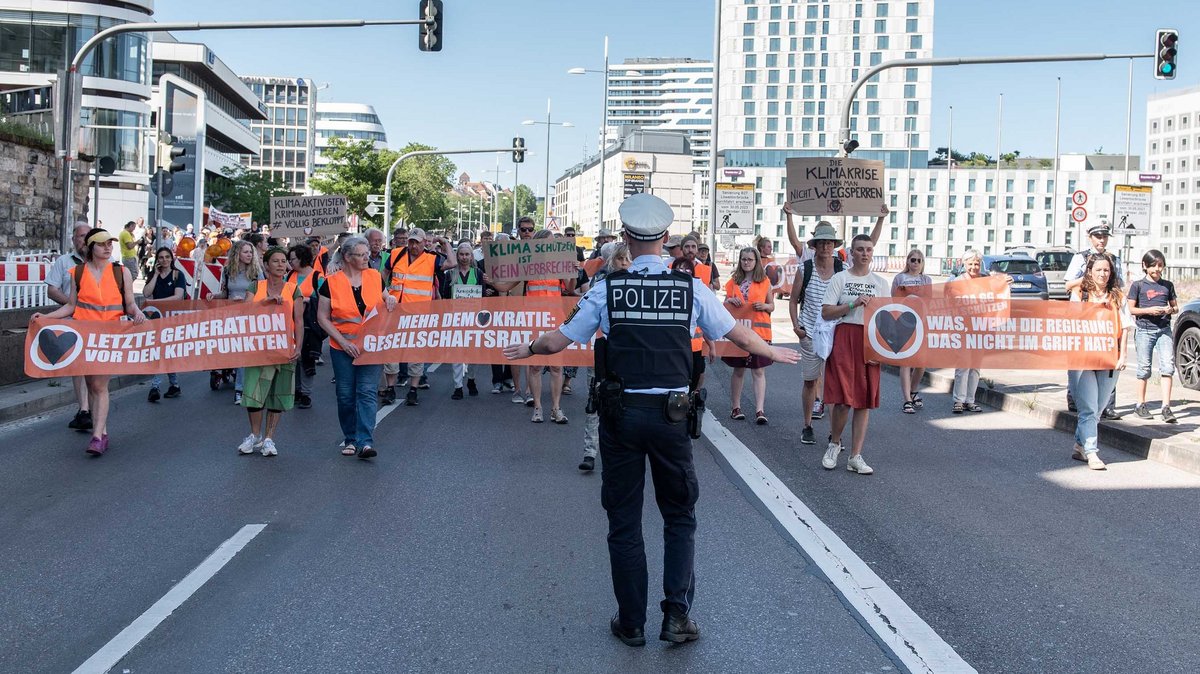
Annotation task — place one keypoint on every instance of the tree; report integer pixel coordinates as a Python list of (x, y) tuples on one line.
[(526, 204), (242, 190), (420, 184)]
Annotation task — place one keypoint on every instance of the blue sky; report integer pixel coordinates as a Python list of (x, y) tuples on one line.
[(504, 58)]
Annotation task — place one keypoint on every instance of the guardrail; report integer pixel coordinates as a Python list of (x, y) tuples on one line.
[(23, 280)]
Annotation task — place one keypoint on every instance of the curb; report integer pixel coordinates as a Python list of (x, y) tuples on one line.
[(66, 396), (1175, 452)]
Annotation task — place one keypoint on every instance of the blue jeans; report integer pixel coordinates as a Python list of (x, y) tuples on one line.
[(357, 400), (1154, 343), (1092, 389), (171, 377)]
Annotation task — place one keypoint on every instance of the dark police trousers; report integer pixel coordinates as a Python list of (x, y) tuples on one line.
[(624, 447)]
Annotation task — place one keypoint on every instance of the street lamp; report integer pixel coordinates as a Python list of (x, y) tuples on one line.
[(548, 123), (603, 123)]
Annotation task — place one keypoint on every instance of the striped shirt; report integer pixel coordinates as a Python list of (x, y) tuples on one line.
[(814, 295)]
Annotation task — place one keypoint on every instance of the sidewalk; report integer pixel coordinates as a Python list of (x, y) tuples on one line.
[(37, 396)]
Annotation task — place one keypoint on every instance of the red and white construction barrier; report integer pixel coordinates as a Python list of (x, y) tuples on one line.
[(210, 276), (23, 272)]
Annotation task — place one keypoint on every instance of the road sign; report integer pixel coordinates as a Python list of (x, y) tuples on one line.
[(375, 199), (1079, 197), (1149, 177), (735, 208), (374, 209), (1131, 209), (1079, 214)]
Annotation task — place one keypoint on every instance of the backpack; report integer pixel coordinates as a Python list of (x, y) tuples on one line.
[(311, 326), (118, 273), (808, 272)]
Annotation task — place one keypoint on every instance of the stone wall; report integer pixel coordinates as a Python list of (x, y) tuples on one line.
[(30, 203)]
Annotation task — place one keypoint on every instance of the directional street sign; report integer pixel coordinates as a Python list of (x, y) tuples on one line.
[(374, 198), (374, 209), (1131, 209)]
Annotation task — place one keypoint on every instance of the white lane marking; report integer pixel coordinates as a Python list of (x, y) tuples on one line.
[(432, 368), (908, 638), (120, 645), (382, 412)]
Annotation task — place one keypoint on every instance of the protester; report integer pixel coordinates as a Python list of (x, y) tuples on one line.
[(766, 252), (521, 395), (1152, 300), (850, 381), (272, 387), (673, 249), (911, 281), (591, 424), (463, 281), (165, 283), (59, 282), (243, 267), (320, 253), (966, 379), (347, 297), (804, 307), (602, 237), (379, 257), (750, 285), (485, 237), (1092, 388), (308, 280), (1098, 236), (414, 279), (102, 291), (547, 288), (129, 248), (703, 255)]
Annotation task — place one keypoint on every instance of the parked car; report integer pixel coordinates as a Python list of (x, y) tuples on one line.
[(1028, 280), (1053, 262), (1187, 345)]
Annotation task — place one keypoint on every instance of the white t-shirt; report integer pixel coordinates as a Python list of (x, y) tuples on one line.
[(845, 286)]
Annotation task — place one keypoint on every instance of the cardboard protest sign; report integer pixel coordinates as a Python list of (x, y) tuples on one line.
[(467, 331), (233, 220), (530, 259), (1035, 335), (308, 216), (835, 186), (237, 335)]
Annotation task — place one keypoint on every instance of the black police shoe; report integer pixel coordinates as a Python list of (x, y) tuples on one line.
[(678, 628), (630, 636), (588, 464)]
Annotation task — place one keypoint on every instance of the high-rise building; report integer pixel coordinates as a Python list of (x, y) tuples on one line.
[(671, 94), (39, 38), (287, 135), (1172, 136), (348, 121)]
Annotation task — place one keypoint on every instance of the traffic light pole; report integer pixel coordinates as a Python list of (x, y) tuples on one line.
[(387, 186), (72, 79), (844, 132)]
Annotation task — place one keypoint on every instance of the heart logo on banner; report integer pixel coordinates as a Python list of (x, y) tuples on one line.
[(483, 319), (308, 230), (896, 332), (56, 345)]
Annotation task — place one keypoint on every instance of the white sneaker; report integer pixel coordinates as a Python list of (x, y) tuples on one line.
[(268, 448), (247, 446), (857, 464), (829, 461)]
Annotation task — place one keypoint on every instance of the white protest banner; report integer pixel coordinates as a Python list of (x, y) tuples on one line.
[(735, 208), (222, 219), (835, 186), (308, 216), (530, 259)]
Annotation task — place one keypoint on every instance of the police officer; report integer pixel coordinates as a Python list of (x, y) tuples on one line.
[(648, 315)]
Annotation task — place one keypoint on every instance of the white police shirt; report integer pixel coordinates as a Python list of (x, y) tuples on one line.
[(707, 311), (1078, 265)]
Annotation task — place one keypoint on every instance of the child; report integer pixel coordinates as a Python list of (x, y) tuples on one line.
[(1152, 301)]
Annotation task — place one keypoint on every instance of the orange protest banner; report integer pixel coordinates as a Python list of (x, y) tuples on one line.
[(1030, 335), (238, 335), (744, 316), (467, 331)]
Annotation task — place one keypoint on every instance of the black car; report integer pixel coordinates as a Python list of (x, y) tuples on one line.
[(1187, 345)]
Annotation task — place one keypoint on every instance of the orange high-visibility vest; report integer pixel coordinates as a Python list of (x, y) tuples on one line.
[(704, 273), (343, 311), (543, 288), (100, 300), (412, 281), (289, 291), (760, 321)]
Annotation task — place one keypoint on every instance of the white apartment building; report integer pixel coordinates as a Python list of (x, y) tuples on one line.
[(1172, 142), (348, 121), (646, 160)]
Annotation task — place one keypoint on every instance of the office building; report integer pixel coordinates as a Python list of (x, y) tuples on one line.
[(1172, 136), (39, 37), (287, 135), (348, 121)]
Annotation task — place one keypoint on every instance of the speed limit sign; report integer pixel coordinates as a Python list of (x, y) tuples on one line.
[(1079, 214)]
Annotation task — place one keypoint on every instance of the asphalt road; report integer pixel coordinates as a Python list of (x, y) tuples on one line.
[(471, 544)]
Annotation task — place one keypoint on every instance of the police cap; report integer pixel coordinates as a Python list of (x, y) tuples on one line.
[(646, 217)]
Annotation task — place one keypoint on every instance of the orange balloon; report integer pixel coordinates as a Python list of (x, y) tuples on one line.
[(186, 245)]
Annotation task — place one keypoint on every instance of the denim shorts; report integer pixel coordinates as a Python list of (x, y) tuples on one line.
[(1151, 342)]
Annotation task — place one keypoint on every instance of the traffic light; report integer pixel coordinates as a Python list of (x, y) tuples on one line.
[(169, 154), (431, 30), (518, 150), (1164, 54)]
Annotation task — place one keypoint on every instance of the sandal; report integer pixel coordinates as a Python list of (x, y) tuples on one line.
[(958, 408), (760, 418), (917, 401), (737, 415), (349, 449), (973, 407), (909, 407)]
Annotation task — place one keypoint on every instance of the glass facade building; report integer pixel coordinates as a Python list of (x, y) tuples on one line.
[(286, 136)]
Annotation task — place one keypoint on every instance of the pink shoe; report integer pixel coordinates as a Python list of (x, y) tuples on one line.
[(96, 446), (104, 441)]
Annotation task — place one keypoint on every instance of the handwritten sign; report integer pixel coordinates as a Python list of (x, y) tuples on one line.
[(308, 216), (530, 259), (835, 186)]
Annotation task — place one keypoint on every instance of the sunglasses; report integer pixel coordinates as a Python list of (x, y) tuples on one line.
[(914, 259), (524, 229)]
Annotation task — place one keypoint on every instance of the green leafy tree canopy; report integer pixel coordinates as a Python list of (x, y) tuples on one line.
[(242, 190)]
